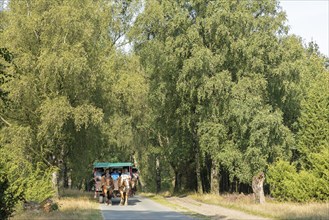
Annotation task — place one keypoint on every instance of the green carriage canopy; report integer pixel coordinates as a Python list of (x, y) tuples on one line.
[(112, 165)]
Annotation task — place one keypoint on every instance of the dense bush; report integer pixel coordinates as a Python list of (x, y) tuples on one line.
[(287, 184), (20, 179), (32, 186), (39, 185), (320, 169), (8, 199)]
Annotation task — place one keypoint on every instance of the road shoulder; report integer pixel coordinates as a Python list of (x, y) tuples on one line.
[(210, 211)]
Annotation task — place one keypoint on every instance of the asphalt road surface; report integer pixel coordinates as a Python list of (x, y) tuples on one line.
[(139, 208)]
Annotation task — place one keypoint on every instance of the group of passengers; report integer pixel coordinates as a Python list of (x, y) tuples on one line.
[(115, 173)]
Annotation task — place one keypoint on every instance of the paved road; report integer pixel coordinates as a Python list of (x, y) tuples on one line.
[(139, 208)]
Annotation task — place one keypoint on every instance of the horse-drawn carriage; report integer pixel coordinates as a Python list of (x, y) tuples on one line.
[(114, 180)]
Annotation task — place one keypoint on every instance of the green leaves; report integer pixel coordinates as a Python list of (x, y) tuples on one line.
[(70, 85), (24, 181), (55, 114), (38, 185), (86, 115), (226, 77), (314, 120), (288, 184), (212, 84)]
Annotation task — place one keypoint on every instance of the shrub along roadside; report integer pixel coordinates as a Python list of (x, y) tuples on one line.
[(36, 186), (8, 199), (288, 184), (20, 179)]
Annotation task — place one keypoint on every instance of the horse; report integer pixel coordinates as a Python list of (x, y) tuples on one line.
[(107, 189), (124, 188), (133, 190)]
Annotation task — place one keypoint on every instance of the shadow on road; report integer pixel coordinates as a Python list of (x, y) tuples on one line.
[(131, 201)]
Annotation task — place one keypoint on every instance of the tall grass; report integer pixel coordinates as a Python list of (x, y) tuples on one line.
[(74, 204), (272, 209)]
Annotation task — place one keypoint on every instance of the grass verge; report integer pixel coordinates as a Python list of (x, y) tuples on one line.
[(271, 209), (73, 205)]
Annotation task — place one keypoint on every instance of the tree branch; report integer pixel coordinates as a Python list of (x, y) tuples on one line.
[(6, 122), (38, 154)]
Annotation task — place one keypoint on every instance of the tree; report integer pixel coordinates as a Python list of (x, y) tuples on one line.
[(308, 163), (70, 83), (210, 65), (314, 121)]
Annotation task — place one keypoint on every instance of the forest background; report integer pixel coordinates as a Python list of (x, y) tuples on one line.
[(209, 94)]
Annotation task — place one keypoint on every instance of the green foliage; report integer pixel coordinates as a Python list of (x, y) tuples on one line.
[(75, 97), (255, 160), (224, 84), (8, 200), (314, 121), (320, 169), (219, 81), (14, 142), (38, 186), (311, 180), (304, 186), (213, 84), (20, 179)]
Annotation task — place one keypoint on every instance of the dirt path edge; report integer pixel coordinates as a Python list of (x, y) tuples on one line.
[(211, 211)]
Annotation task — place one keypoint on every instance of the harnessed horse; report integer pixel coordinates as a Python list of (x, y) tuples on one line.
[(124, 188), (133, 190), (107, 189)]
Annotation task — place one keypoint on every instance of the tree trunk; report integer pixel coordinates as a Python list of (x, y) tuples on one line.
[(178, 181), (198, 180), (224, 180), (69, 182), (158, 174), (257, 187), (134, 160), (206, 174), (198, 172), (54, 181), (65, 176), (62, 171), (214, 178)]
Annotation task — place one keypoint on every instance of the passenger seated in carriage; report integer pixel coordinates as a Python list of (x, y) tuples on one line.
[(115, 175), (107, 173), (125, 174), (98, 174), (105, 176)]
